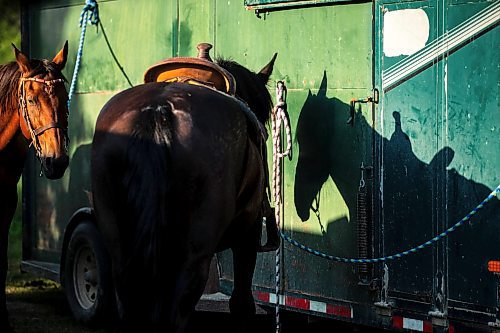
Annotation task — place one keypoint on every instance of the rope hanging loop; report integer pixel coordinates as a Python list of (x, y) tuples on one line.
[(281, 118)]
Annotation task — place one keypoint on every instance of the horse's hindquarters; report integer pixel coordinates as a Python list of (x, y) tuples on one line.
[(172, 168)]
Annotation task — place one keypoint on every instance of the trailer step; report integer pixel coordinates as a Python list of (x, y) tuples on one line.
[(42, 269), (219, 302)]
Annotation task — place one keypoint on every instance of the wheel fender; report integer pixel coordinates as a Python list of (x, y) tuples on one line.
[(82, 214)]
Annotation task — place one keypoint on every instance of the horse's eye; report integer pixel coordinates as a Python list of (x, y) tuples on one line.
[(31, 101)]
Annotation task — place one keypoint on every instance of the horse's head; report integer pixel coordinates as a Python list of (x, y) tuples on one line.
[(43, 111), (328, 148), (251, 87)]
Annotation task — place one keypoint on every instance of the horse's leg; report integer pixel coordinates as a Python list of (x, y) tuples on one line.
[(249, 204), (241, 303), (188, 289), (106, 208), (194, 251), (8, 202), (116, 222)]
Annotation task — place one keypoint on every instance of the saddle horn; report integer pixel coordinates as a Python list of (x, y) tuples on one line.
[(204, 51)]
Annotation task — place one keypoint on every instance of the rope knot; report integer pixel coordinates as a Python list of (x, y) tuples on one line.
[(91, 8)]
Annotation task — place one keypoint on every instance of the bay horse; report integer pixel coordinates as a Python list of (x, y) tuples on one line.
[(177, 175), (33, 111)]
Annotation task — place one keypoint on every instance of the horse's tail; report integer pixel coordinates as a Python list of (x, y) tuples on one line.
[(147, 182)]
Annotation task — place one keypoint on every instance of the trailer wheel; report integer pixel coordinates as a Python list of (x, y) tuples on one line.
[(87, 280)]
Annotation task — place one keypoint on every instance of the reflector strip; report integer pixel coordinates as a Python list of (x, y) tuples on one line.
[(295, 302), (494, 266), (306, 304), (397, 322), (411, 324), (260, 296), (339, 310)]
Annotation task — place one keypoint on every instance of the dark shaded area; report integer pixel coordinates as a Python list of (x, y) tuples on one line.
[(420, 199)]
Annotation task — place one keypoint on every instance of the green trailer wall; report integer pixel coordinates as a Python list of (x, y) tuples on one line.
[(329, 57)]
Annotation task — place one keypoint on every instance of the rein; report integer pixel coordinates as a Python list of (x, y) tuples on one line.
[(35, 132)]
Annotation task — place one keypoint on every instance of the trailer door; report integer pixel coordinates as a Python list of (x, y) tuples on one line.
[(436, 67)]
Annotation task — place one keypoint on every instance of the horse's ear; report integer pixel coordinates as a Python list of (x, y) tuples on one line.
[(22, 60), (62, 56), (265, 72)]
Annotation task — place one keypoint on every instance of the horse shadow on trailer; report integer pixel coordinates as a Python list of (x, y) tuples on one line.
[(416, 195)]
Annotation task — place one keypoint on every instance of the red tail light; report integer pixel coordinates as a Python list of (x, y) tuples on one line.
[(494, 266)]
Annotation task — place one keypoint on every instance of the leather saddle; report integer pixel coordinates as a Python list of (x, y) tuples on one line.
[(198, 71)]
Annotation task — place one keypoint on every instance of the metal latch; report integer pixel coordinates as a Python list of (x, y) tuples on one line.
[(352, 104)]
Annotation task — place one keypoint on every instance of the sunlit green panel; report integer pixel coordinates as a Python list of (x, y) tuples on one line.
[(308, 41), (139, 33), (195, 26)]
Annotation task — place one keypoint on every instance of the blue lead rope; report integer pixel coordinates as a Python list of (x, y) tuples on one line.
[(90, 13), (398, 255)]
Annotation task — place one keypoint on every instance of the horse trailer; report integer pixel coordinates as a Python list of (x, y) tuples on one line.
[(394, 117)]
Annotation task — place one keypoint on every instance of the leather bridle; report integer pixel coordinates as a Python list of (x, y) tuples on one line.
[(35, 132)]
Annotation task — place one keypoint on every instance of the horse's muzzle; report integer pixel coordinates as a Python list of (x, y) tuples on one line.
[(54, 167)]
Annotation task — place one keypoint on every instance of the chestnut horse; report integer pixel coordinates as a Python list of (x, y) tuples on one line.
[(177, 175), (33, 111)]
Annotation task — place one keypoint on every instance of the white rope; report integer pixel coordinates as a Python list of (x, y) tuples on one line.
[(279, 118)]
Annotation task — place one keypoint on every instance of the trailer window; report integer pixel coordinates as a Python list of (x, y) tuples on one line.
[(277, 4)]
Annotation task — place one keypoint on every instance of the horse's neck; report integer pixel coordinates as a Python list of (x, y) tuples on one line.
[(9, 116), (9, 126)]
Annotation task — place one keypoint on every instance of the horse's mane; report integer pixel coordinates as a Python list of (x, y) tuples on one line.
[(9, 81), (10, 74), (250, 88)]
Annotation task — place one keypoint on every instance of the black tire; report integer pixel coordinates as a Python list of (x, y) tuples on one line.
[(87, 281)]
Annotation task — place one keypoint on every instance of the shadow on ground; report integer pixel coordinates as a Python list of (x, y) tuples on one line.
[(39, 306)]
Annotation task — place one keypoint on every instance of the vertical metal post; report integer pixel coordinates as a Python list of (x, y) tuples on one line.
[(29, 167)]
